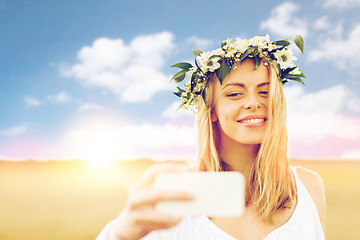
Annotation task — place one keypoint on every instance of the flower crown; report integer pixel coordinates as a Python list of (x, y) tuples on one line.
[(231, 53)]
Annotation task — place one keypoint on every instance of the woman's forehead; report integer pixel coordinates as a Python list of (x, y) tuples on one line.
[(245, 73)]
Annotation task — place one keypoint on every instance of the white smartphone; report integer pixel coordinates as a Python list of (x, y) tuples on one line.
[(217, 194)]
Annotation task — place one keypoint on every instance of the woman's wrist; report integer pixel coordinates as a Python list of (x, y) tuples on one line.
[(112, 234), (115, 234)]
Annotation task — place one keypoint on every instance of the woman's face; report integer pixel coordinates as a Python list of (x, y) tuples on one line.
[(241, 104)]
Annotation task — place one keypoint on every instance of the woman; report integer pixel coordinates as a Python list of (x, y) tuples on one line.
[(237, 95)]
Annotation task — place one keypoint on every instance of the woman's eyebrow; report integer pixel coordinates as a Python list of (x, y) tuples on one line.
[(234, 84), (263, 84), (243, 86)]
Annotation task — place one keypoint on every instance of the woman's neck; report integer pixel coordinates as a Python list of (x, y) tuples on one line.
[(236, 156)]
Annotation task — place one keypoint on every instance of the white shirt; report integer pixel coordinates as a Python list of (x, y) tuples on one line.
[(304, 223)]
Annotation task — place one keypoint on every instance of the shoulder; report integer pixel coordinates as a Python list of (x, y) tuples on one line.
[(315, 186), (312, 181)]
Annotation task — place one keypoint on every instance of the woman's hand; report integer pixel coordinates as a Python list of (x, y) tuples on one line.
[(139, 216)]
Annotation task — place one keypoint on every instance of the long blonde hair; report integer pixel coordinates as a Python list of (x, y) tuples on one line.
[(271, 186)]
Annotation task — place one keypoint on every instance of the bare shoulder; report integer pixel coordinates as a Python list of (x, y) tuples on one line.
[(315, 186), (312, 181)]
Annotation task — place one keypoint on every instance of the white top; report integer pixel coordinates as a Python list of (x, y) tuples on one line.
[(304, 223)]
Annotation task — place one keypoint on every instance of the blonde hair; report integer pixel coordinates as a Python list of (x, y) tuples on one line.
[(271, 186)]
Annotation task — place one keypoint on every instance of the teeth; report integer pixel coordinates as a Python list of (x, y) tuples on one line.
[(253, 120)]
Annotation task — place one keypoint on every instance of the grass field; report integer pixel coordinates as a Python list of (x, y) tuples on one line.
[(67, 200)]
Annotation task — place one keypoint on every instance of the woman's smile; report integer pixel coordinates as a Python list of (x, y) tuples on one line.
[(253, 121)]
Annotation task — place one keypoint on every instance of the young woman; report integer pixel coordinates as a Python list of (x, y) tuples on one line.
[(237, 95)]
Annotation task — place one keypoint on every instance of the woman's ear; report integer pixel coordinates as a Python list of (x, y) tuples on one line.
[(213, 115)]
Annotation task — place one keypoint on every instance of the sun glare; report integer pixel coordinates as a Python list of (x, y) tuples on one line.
[(102, 151), (96, 141)]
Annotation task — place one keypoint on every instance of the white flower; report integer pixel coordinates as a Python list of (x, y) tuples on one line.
[(228, 43), (218, 51), (230, 52), (285, 58), (203, 58), (210, 65), (260, 42), (241, 45), (271, 47)]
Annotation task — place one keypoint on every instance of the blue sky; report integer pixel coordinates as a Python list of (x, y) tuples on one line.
[(89, 79)]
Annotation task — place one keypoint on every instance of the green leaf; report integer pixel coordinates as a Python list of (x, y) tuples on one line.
[(180, 91), (183, 65), (296, 75), (299, 41), (215, 56), (298, 80), (223, 71), (193, 82), (197, 52), (292, 76), (283, 43), (179, 76), (246, 53), (257, 61), (223, 43), (302, 75), (285, 72)]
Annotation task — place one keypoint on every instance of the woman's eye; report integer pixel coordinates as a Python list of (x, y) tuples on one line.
[(234, 94), (264, 93)]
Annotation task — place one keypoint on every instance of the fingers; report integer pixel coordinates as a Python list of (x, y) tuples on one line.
[(152, 196), (150, 174), (139, 216), (138, 224)]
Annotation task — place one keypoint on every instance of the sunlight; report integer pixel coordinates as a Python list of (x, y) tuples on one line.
[(97, 141), (102, 150)]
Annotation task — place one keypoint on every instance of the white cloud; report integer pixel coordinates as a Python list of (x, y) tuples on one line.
[(343, 52), (314, 116), (89, 107), (352, 155), (173, 111), (199, 43), (62, 97), (283, 23), (322, 23), (32, 102), (341, 4), (14, 131), (133, 71), (109, 138)]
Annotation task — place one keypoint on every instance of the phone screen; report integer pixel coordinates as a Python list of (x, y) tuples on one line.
[(217, 194)]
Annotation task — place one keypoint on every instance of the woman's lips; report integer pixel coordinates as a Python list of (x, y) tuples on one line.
[(253, 121)]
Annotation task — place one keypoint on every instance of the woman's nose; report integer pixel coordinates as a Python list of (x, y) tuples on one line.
[(252, 103)]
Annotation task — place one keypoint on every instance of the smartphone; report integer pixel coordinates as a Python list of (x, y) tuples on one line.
[(217, 194)]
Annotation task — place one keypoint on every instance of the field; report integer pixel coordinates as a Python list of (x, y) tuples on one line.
[(68, 200)]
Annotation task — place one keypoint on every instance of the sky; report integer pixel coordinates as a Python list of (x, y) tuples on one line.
[(90, 79)]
